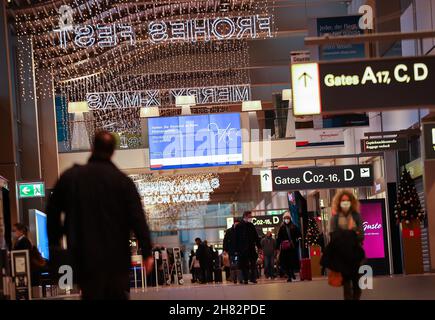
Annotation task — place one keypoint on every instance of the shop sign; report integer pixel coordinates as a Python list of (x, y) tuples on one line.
[(429, 140), (156, 98), (31, 190), (322, 177), (362, 85), (206, 29), (300, 56), (384, 144)]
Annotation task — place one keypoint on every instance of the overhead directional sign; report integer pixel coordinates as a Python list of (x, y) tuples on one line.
[(429, 141), (266, 180), (384, 144), (322, 178), (306, 90), (363, 85), (31, 190)]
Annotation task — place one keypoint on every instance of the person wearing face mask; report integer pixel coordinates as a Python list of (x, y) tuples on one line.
[(287, 244), (247, 240), (344, 253)]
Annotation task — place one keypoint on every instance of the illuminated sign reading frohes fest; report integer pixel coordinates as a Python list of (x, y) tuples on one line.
[(156, 98), (207, 29)]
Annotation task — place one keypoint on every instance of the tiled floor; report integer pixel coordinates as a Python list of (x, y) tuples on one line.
[(420, 287)]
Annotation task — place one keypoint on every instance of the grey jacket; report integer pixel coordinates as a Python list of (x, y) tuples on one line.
[(359, 229), (268, 245)]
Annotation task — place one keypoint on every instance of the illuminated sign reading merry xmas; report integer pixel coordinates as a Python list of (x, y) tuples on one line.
[(149, 98)]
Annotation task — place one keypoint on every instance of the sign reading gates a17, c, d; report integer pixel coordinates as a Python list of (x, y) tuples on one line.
[(363, 85), (321, 178)]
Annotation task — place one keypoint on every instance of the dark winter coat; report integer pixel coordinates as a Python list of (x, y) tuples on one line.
[(246, 240), (203, 255), (288, 258), (359, 229), (101, 206), (230, 241), (344, 253)]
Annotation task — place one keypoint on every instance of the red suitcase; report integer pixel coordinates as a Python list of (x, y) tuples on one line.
[(305, 267), (305, 272)]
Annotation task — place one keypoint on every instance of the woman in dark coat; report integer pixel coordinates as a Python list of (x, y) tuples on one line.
[(287, 244), (345, 252)]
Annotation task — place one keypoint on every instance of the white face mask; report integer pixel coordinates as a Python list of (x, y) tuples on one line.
[(248, 219), (286, 221), (345, 205)]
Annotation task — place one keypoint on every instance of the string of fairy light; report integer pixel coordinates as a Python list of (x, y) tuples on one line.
[(76, 71), (168, 216)]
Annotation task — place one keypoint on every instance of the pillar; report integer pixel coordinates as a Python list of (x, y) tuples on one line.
[(47, 128), (8, 158)]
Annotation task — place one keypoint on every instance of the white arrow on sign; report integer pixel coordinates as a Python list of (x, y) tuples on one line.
[(266, 180), (26, 190)]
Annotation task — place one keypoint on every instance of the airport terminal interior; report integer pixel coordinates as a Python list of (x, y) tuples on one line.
[(219, 108)]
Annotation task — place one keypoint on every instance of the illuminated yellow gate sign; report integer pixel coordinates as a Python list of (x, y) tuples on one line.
[(363, 85)]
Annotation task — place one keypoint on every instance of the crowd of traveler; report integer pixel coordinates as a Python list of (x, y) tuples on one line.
[(100, 205)]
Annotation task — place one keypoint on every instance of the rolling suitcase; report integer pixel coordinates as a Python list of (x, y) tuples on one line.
[(305, 266)]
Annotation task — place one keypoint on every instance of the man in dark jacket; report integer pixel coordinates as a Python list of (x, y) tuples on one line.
[(203, 255), (229, 247), (246, 240), (229, 244), (101, 207)]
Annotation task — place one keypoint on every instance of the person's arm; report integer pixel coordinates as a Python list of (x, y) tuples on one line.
[(225, 242), (192, 264), (137, 221), (333, 224), (278, 239)]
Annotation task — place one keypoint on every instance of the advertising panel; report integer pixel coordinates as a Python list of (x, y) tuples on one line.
[(374, 242)]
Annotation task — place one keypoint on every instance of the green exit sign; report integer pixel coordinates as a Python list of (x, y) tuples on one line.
[(31, 190)]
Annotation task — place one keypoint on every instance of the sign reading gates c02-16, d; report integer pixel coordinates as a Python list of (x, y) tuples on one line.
[(365, 85), (322, 177)]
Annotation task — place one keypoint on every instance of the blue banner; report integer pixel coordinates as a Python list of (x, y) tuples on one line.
[(340, 26)]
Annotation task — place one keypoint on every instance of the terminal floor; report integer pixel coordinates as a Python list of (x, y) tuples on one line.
[(421, 287)]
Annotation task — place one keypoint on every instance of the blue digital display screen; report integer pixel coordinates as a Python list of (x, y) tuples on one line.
[(41, 233), (195, 141)]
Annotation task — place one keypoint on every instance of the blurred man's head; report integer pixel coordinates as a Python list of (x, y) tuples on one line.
[(104, 145), (198, 241), (247, 216), (269, 234)]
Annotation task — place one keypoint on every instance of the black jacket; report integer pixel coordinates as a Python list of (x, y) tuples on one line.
[(344, 253), (23, 244), (230, 241), (102, 206), (288, 258), (246, 240), (203, 255)]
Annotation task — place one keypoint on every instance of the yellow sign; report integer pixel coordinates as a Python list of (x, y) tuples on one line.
[(306, 89)]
